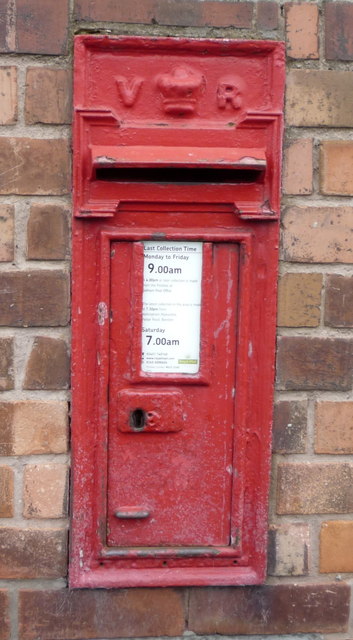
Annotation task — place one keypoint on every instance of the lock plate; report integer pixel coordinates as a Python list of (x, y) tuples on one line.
[(157, 410)]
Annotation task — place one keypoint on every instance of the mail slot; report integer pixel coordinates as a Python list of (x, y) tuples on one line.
[(175, 240)]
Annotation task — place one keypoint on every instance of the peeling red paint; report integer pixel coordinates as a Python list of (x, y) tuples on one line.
[(171, 469)]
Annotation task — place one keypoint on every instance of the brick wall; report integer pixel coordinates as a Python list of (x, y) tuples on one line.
[(311, 532)]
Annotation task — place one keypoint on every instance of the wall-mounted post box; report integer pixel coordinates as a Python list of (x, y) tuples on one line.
[(177, 168)]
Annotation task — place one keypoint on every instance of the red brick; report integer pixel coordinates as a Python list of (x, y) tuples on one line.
[(33, 428), (314, 363), (3, 26), (101, 613), (208, 13), (7, 25), (280, 608), (314, 488), (339, 301), (169, 12), (334, 427), (48, 96), (6, 232), (47, 233), (45, 491), (4, 616), (34, 166), (6, 492), (267, 15), (289, 427), (318, 234), (8, 95), (34, 298), (48, 366), (302, 21), (6, 364), (338, 31), (119, 11), (32, 553), (42, 27), (6, 417), (319, 98)]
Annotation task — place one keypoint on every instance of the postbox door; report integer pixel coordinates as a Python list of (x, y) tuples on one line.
[(170, 456)]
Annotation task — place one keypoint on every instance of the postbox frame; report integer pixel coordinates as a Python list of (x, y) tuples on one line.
[(92, 562)]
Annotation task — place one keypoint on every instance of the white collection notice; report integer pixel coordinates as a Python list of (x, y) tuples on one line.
[(171, 307)]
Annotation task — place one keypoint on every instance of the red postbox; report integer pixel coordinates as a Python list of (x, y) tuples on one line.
[(177, 169)]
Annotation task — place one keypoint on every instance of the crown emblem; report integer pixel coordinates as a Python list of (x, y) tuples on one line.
[(181, 89)]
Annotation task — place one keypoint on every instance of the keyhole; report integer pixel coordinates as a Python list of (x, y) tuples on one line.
[(137, 419)]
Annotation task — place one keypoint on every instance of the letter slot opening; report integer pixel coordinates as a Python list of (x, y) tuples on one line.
[(178, 165), (177, 175)]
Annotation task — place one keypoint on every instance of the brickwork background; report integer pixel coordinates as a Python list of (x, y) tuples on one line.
[(310, 567)]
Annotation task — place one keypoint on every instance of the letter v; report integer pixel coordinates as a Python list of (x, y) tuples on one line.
[(129, 89)]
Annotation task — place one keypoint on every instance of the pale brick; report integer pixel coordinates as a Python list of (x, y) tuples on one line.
[(6, 492), (298, 167), (45, 491), (288, 549), (299, 297), (33, 427), (336, 159), (314, 488), (48, 96), (334, 427), (6, 232), (40, 427), (318, 98), (318, 234), (302, 22), (8, 95), (336, 546)]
